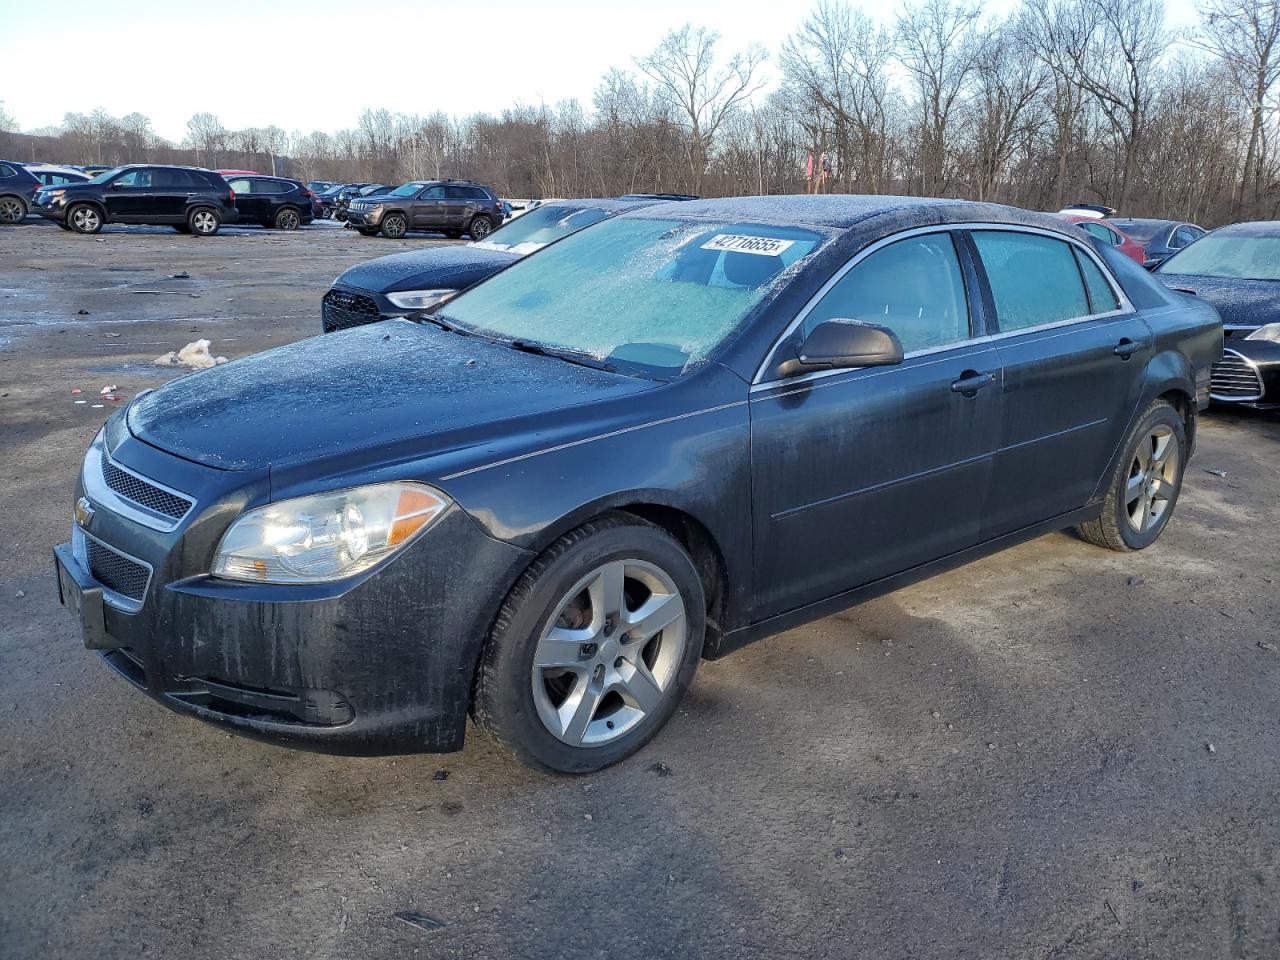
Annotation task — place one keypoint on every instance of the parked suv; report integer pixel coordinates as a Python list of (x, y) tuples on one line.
[(189, 199), (17, 187), (272, 201), (452, 207), (353, 193)]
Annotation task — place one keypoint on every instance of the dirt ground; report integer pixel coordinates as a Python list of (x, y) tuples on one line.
[(1055, 753)]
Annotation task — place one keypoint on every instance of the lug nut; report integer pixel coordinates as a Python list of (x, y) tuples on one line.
[(589, 649), (617, 664)]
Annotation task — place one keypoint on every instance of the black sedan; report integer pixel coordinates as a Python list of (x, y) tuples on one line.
[(1160, 239), (661, 438), (1237, 269), (406, 283)]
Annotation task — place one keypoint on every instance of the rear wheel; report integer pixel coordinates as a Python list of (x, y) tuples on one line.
[(84, 218), (593, 648), (481, 227), (203, 221), (12, 209), (1145, 485), (394, 226), (288, 219)]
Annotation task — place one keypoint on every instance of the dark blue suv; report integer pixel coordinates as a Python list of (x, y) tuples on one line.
[(17, 186)]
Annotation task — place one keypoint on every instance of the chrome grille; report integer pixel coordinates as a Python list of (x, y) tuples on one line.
[(1234, 378), (341, 310), (115, 571), (136, 490)]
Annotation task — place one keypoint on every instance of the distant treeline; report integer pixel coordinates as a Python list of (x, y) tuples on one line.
[(1062, 100)]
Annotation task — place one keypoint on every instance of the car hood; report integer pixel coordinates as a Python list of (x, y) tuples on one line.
[(1242, 303), (429, 269), (395, 389)]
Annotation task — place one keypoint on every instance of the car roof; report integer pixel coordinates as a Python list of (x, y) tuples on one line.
[(1257, 228), (614, 205), (843, 211)]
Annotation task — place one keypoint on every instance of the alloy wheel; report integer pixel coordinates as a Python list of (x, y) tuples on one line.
[(481, 228), (10, 210), (394, 227), (287, 220), (204, 222), (86, 219), (610, 653), (1153, 479)]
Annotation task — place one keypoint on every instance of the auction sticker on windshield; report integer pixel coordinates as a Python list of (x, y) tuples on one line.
[(739, 243)]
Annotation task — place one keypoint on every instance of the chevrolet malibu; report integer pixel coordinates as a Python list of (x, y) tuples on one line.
[(673, 433)]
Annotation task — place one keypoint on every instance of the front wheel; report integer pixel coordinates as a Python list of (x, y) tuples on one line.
[(593, 648), (12, 209), (394, 226), (84, 218), (481, 227), (1145, 485), (204, 222)]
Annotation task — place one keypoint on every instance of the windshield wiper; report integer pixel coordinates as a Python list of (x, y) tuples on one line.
[(442, 323), (569, 356)]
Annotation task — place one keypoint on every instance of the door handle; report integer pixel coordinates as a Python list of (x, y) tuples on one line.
[(1126, 348), (971, 381)]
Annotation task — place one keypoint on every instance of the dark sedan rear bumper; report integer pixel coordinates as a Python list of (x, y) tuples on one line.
[(1248, 375)]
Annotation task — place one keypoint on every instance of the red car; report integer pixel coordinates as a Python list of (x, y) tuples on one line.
[(1096, 226)]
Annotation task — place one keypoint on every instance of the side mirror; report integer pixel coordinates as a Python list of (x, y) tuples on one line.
[(840, 344), (116, 184)]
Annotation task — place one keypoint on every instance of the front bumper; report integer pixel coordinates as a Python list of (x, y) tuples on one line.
[(365, 218), (382, 663), (1248, 375)]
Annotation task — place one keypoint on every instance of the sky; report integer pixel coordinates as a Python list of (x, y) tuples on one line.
[(316, 65)]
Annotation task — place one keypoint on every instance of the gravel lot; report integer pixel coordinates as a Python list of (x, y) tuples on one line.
[(1055, 753)]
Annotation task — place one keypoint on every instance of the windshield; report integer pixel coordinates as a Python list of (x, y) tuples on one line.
[(539, 227), (1144, 231), (106, 175), (406, 189), (658, 295), (1229, 256)]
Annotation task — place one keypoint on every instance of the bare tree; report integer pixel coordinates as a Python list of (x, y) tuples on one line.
[(683, 69), (1245, 36), (939, 46), (838, 62), (1008, 81), (207, 137)]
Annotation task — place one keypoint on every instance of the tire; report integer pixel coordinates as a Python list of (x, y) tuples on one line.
[(539, 709), (394, 226), (84, 218), (288, 218), (12, 209), (481, 227), (204, 221), (1144, 487)]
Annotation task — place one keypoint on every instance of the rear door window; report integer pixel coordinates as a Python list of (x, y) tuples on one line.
[(1102, 297), (913, 286), (1034, 279)]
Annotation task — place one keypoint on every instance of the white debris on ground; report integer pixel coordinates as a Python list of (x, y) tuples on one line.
[(195, 355)]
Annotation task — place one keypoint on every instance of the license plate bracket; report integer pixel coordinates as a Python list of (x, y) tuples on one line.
[(78, 592)]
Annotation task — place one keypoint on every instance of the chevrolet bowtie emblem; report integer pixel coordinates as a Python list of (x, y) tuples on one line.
[(84, 512)]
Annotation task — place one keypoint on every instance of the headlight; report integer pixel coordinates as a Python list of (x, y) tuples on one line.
[(50, 194), (328, 536), (420, 299), (1270, 332)]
